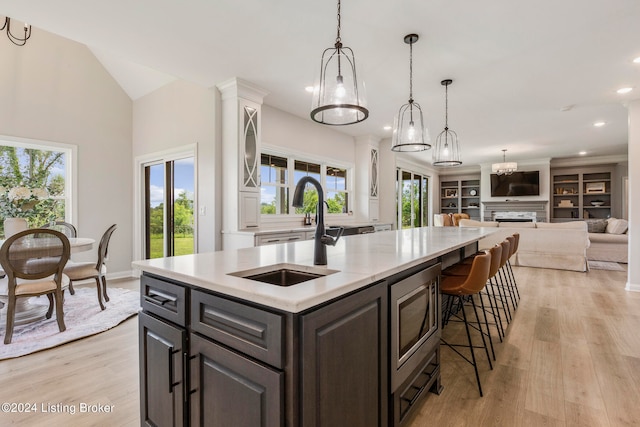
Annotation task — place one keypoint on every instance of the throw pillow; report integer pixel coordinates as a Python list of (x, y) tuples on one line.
[(596, 225), (617, 226)]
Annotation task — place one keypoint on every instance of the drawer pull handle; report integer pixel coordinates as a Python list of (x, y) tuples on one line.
[(228, 320), (159, 298), (171, 352)]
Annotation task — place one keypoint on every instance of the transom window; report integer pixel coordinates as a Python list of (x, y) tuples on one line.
[(280, 175)]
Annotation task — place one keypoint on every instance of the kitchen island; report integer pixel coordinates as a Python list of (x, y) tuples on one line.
[(217, 348)]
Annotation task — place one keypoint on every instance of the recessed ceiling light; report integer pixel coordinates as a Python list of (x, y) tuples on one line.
[(567, 108), (387, 127), (637, 60), (624, 90), (599, 124), (309, 89), (582, 153)]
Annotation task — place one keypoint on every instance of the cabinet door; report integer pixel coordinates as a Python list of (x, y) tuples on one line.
[(228, 389), (344, 362), (162, 388), (249, 210)]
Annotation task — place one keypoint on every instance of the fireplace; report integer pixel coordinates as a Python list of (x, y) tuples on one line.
[(514, 216), (515, 210)]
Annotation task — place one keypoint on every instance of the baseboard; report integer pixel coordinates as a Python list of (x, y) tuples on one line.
[(633, 287)]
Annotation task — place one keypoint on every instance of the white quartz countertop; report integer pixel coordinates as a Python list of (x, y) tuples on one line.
[(359, 260)]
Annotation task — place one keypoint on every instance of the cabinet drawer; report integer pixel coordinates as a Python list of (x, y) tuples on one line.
[(164, 299), (270, 239), (252, 331)]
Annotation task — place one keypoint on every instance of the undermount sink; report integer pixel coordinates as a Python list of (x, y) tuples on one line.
[(283, 274)]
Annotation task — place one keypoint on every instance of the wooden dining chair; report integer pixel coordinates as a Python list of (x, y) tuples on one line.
[(68, 230), (65, 228), (93, 270), (38, 262)]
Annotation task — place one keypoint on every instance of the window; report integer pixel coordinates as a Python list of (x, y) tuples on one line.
[(337, 190), (35, 182), (281, 174), (274, 192), (412, 194), (301, 170)]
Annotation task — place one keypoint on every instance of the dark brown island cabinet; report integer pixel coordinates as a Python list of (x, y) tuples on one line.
[(207, 359)]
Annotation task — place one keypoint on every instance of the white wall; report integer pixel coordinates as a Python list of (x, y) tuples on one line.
[(55, 90), (177, 115), (633, 277), (304, 136)]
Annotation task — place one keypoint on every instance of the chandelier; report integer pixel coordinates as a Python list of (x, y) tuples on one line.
[(337, 100), (19, 41), (447, 150), (504, 168), (409, 133)]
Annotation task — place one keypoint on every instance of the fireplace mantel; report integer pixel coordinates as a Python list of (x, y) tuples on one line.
[(537, 206)]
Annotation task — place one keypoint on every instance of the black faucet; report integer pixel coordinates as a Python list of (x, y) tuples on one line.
[(321, 238)]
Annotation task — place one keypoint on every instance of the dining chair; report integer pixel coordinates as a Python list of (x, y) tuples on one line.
[(93, 270), (68, 230), (38, 263), (65, 228)]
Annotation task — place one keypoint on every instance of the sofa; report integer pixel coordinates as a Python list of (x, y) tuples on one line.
[(561, 246), (609, 240)]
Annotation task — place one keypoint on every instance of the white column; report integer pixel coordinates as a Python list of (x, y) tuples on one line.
[(633, 275)]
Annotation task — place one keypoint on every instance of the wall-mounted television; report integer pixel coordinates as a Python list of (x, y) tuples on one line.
[(516, 184)]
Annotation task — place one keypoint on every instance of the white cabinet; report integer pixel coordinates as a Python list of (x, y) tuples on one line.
[(249, 210), (241, 141), (367, 180), (249, 146)]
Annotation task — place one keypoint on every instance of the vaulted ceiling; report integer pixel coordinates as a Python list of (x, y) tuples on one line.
[(530, 77)]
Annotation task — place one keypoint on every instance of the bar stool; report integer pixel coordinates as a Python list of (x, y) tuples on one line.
[(459, 287), (514, 249), (463, 269), (500, 284), (507, 277)]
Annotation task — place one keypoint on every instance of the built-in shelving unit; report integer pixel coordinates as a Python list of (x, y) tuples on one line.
[(581, 193), (460, 195)]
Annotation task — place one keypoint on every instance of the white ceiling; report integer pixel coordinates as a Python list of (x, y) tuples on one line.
[(515, 64)]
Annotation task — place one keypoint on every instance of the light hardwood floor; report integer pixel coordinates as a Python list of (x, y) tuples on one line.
[(571, 358)]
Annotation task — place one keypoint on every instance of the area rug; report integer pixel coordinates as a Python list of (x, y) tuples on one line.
[(82, 317), (606, 265)]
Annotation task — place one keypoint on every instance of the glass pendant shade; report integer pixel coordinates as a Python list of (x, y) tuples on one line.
[(409, 131), (447, 148), (504, 168), (337, 99)]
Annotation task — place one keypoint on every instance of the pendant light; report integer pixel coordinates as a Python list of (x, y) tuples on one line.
[(16, 39), (409, 133), (447, 149), (338, 101), (504, 168)]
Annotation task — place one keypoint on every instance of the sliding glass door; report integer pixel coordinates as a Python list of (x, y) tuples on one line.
[(413, 199), (169, 202)]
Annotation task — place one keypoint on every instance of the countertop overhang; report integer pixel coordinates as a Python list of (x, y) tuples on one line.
[(360, 260)]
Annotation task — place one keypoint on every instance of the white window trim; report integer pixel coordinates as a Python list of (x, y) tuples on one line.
[(71, 168), (292, 155)]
